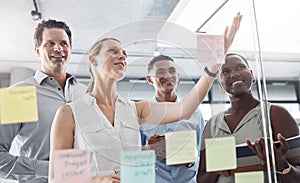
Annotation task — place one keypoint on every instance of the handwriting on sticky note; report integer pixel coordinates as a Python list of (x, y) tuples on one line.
[(180, 147), (210, 48), (249, 177), (18, 105), (220, 154), (72, 165), (138, 166)]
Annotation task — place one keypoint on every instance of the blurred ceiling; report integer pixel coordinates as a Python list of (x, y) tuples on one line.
[(143, 24)]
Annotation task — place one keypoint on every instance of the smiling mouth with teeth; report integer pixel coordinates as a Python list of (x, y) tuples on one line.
[(58, 56), (236, 82)]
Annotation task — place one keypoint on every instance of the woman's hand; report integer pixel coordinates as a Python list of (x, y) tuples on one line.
[(230, 33), (105, 179), (258, 147)]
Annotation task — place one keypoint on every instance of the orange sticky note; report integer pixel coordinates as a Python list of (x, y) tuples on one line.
[(210, 48)]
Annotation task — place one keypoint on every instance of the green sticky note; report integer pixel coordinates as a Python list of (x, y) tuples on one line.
[(18, 105), (220, 154), (138, 166), (249, 177), (181, 147)]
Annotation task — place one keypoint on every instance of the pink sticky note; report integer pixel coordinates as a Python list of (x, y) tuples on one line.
[(72, 165), (210, 48)]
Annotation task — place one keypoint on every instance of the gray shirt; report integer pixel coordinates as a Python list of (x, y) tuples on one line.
[(250, 127), (32, 139)]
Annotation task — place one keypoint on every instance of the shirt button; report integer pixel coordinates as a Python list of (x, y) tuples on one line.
[(59, 88), (51, 78)]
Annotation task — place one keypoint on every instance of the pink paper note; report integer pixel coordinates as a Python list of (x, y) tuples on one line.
[(72, 165), (210, 48)]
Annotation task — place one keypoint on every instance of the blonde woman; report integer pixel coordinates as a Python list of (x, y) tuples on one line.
[(105, 123)]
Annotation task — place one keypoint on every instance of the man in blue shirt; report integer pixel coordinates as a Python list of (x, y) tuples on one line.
[(162, 74)]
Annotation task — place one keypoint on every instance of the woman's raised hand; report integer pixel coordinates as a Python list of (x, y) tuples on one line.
[(230, 32)]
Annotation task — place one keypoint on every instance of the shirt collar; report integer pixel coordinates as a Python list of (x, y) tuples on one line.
[(121, 99), (91, 99), (251, 114), (39, 76)]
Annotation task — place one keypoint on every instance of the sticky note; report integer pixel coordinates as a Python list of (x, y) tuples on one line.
[(249, 177), (18, 105), (72, 165), (138, 166), (210, 48), (181, 147), (220, 154)]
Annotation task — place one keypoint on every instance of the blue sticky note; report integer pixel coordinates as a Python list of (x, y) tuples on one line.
[(138, 166)]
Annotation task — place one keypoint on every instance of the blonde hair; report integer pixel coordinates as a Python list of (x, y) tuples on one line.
[(95, 50)]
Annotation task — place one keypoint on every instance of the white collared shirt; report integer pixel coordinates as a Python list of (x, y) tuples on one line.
[(95, 133)]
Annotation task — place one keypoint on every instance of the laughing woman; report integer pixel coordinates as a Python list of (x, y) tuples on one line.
[(243, 121)]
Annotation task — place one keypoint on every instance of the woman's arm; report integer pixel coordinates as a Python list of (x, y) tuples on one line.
[(282, 122), (293, 173), (202, 175), (282, 163), (284, 126), (62, 137), (160, 113), (166, 112), (62, 133)]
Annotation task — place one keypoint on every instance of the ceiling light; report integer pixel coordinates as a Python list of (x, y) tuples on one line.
[(36, 15)]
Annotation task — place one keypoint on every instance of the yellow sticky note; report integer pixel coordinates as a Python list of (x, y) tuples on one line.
[(220, 154), (18, 105), (210, 48), (249, 177), (180, 147)]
